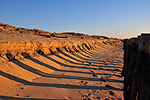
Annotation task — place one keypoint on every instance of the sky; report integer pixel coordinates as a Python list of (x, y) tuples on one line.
[(112, 18)]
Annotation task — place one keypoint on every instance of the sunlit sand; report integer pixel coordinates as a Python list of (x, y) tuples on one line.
[(87, 69)]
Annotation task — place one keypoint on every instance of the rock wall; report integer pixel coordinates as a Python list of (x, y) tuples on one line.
[(136, 69)]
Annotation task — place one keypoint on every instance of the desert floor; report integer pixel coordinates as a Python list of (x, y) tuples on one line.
[(89, 75)]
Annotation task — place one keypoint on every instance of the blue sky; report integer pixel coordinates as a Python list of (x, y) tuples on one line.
[(112, 18)]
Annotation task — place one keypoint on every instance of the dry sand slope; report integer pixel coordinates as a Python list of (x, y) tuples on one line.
[(92, 74)]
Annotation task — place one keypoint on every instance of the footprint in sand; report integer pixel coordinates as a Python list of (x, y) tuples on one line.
[(106, 99), (96, 97), (86, 96), (109, 86), (111, 93), (106, 64), (103, 79), (100, 82), (89, 94), (16, 94), (83, 83), (94, 75), (83, 61), (86, 99), (83, 98), (23, 87), (108, 76), (113, 99), (91, 71), (27, 96), (90, 63), (119, 61), (96, 91)]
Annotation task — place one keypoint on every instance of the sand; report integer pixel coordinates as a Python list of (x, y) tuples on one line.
[(92, 74), (34, 65)]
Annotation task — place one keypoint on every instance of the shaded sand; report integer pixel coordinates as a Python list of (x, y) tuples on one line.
[(92, 74)]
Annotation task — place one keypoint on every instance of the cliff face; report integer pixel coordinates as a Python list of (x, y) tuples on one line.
[(136, 69)]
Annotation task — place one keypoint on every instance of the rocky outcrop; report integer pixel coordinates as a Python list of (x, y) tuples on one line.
[(136, 69)]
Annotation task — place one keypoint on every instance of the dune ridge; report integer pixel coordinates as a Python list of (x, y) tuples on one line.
[(15, 41), (25, 57), (16, 55)]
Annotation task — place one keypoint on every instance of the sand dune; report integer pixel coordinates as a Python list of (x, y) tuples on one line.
[(90, 74), (47, 67)]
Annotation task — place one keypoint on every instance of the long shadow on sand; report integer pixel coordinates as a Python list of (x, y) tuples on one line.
[(33, 70), (85, 64), (72, 86), (78, 56), (38, 72), (71, 57), (97, 61), (50, 58), (53, 68), (13, 77), (81, 53), (54, 85), (81, 78), (18, 98), (68, 60), (48, 66)]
